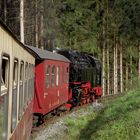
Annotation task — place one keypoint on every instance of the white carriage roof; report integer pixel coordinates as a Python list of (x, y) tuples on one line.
[(44, 54)]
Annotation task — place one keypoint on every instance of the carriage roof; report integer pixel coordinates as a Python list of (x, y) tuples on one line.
[(44, 54)]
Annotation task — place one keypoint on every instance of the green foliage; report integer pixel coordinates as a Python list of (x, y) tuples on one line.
[(78, 24), (119, 120), (129, 27)]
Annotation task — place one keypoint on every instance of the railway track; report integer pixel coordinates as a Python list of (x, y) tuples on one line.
[(51, 119), (107, 98)]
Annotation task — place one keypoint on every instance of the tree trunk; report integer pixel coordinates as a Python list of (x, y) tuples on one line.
[(126, 78), (108, 72), (131, 72), (103, 61), (36, 25), (103, 69), (22, 21), (116, 68), (121, 70), (114, 82), (107, 44), (42, 24), (139, 62)]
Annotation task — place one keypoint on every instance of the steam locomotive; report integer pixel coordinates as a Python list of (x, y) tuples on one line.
[(85, 77)]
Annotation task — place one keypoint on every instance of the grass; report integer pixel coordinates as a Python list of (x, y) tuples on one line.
[(119, 120), (75, 125)]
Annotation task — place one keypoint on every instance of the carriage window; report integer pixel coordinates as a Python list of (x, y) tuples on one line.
[(14, 96), (15, 73), (26, 71), (48, 76), (53, 76), (4, 98), (4, 75), (67, 75), (26, 85), (21, 72), (21, 90), (57, 76)]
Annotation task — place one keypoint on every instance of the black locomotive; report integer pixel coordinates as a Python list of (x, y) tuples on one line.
[(83, 67), (85, 76)]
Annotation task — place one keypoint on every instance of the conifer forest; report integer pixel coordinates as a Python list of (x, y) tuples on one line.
[(108, 29)]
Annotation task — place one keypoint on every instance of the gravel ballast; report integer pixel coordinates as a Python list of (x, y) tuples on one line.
[(57, 129)]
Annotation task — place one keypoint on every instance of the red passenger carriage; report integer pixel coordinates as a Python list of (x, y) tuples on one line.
[(51, 81)]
